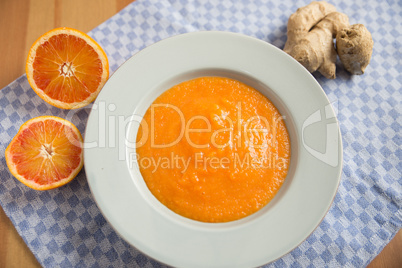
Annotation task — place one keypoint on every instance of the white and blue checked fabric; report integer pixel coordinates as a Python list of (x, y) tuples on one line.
[(64, 227)]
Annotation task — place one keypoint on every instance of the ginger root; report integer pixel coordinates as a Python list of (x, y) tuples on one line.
[(354, 46), (311, 32)]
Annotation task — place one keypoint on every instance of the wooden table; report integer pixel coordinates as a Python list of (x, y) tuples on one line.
[(21, 23)]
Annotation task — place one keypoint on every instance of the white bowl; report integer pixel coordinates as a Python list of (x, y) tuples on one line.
[(152, 228)]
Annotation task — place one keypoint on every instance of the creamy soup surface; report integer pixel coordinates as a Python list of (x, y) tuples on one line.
[(213, 149)]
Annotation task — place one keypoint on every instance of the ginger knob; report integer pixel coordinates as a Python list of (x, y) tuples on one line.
[(311, 30), (354, 45)]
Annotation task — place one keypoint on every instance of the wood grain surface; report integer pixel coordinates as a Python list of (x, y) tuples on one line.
[(21, 23)]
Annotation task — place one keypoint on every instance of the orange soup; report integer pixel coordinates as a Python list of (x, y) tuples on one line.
[(213, 149)]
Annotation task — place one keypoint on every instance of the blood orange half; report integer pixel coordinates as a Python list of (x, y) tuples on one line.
[(46, 153), (67, 68)]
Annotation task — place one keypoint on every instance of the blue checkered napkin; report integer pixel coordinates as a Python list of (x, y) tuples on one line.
[(64, 227)]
